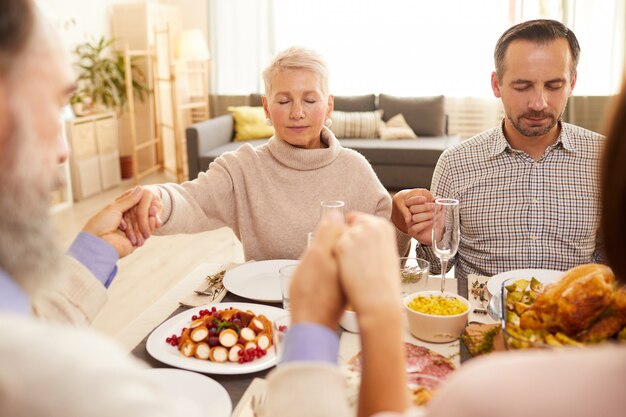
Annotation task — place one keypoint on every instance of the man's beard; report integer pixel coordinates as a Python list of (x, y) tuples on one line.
[(28, 249), (533, 131)]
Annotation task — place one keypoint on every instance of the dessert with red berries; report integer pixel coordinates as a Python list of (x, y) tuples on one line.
[(229, 335)]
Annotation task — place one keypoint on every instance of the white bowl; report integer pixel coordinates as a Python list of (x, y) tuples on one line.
[(349, 322), (434, 328)]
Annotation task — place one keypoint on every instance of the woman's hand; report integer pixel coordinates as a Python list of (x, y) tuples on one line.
[(370, 274), (315, 292), (143, 219), (368, 262)]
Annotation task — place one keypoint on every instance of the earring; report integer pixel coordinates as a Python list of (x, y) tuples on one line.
[(268, 121), (328, 122)]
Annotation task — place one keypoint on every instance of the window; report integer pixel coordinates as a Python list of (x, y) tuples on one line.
[(406, 47)]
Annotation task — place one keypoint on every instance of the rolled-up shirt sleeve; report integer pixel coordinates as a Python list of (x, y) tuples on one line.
[(96, 255), (310, 342)]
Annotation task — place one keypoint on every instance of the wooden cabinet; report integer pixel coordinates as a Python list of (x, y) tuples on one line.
[(94, 154)]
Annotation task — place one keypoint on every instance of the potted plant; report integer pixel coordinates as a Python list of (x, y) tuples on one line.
[(101, 78)]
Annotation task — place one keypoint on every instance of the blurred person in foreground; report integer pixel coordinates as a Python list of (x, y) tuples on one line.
[(270, 195), (572, 382), (36, 81), (47, 367), (528, 189)]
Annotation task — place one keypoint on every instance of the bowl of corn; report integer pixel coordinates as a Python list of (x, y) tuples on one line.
[(436, 316)]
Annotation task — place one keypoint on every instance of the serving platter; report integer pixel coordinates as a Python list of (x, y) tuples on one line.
[(546, 276), (162, 351)]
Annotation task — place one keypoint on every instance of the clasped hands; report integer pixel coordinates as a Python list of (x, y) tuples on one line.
[(412, 213), (355, 263), (128, 221)]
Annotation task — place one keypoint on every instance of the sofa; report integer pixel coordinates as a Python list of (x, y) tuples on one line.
[(399, 163)]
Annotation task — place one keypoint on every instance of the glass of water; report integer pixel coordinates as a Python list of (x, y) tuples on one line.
[(414, 273), (336, 207), (285, 274)]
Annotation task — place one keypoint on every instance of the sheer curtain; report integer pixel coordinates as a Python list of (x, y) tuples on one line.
[(600, 29), (398, 46), (241, 42), (405, 47)]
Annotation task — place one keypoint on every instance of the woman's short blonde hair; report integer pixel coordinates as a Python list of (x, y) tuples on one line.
[(293, 58)]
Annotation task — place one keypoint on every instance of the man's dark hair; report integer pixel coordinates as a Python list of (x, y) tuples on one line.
[(17, 19), (538, 31)]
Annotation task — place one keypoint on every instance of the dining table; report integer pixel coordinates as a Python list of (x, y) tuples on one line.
[(135, 335)]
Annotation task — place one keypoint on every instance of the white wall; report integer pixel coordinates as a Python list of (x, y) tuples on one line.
[(194, 14), (80, 20)]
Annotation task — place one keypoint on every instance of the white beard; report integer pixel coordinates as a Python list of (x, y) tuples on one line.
[(28, 249)]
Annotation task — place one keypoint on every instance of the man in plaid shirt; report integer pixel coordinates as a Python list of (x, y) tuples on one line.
[(529, 188)]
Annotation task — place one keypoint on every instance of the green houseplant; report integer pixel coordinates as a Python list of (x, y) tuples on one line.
[(101, 78)]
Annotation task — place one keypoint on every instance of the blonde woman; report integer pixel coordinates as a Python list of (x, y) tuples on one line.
[(270, 195)]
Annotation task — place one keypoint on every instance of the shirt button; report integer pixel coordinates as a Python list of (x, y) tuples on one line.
[(533, 237), (534, 201)]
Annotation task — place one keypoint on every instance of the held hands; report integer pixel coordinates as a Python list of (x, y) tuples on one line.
[(367, 256), (144, 218), (356, 262), (316, 296), (412, 213), (107, 222)]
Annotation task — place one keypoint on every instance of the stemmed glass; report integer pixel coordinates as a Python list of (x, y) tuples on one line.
[(446, 232)]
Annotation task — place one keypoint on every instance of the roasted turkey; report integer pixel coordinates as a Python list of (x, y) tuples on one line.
[(575, 302)]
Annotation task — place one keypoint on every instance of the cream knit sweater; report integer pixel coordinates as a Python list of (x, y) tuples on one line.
[(76, 297), (270, 196)]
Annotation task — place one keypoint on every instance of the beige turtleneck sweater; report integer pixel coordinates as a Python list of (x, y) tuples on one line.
[(270, 195)]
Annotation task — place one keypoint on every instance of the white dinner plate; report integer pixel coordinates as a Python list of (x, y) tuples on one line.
[(546, 276), (197, 389), (160, 350), (257, 280)]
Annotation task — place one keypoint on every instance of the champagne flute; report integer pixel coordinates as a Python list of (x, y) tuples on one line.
[(446, 233)]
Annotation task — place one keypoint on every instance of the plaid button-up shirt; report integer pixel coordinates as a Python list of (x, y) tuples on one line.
[(517, 213)]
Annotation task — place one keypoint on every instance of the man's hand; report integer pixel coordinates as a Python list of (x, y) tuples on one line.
[(140, 221), (106, 223), (315, 292), (412, 213)]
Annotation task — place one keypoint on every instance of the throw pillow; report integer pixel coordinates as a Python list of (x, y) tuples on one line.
[(365, 102), (361, 125), (397, 128), (250, 123), (425, 115)]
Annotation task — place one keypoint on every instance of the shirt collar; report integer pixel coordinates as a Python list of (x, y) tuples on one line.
[(500, 143), (13, 299)]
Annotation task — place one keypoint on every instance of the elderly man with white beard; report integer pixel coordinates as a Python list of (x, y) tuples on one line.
[(47, 367), (35, 83)]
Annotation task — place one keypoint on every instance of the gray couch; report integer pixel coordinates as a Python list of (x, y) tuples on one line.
[(405, 163)]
